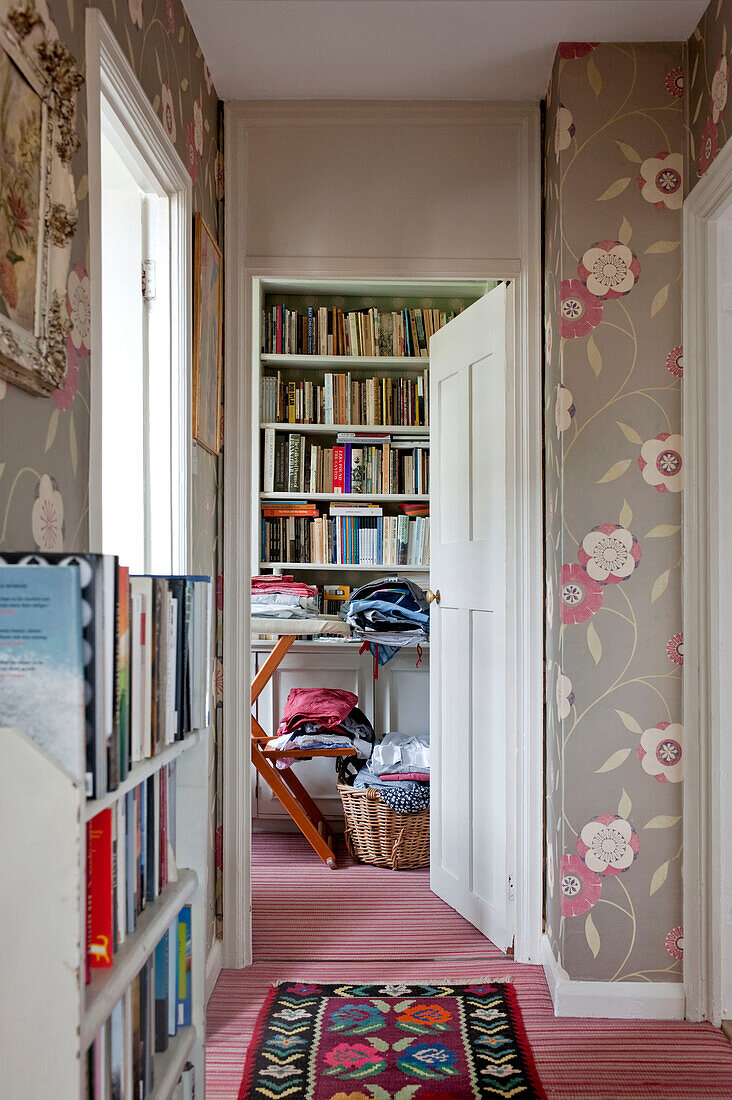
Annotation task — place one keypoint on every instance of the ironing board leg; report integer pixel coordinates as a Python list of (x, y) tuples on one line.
[(303, 797)]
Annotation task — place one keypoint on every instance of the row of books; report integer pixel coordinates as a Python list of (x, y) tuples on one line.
[(346, 540), (343, 399), (322, 331), (128, 658), (121, 1059), (130, 858), (291, 463)]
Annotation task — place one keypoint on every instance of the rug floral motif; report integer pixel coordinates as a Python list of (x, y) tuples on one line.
[(390, 1042)]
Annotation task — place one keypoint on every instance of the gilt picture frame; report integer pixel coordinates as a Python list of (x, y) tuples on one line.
[(208, 302), (39, 82)]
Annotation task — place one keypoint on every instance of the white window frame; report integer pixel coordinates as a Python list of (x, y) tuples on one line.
[(112, 88)]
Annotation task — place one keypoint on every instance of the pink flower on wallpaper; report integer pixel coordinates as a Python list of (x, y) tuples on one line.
[(720, 85), (579, 310), (675, 361), (580, 595), (564, 129), (708, 145), (47, 515), (609, 553), (661, 752), (580, 888), (564, 410), (572, 50), (661, 180), (609, 269), (64, 395), (170, 15), (675, 82), (675, 649), (608, 844), (192, 157), (675, 942), (167, 111), (661, 461)]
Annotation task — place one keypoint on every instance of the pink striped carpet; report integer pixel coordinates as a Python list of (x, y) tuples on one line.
[(576, 1059)]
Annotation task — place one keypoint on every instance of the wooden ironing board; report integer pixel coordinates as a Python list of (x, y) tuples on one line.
[(285, 786)]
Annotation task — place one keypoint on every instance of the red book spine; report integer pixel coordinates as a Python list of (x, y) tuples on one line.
[(339, 469), (279, 329), (99, 904)]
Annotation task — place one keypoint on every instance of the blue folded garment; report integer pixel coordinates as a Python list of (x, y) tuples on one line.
[(402, 796)]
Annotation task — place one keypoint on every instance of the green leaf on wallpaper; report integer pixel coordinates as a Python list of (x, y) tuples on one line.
[(70, 9), (694, 71), (593, 642), (724, 36), (660, 585), (663, 531), (73, 449), (625, 232), (157, 64), (130, 51), (629, 722), (624, 805), (82, 190), (593, 75), (52, 426), (184, 84), (698, 107), (630, 433), (660, 300), (697, 32), (662, 246), (692, 147), (629, 152), (659, 877), (626, 515), (614, 761), (663, 821), (181, 33), (594, 357), (615, 471), (614, 189), (2, 468), (592, 936), (716, 17)]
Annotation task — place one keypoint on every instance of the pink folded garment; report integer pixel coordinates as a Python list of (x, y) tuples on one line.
[(285, 583), (326, 706), (401, 777)]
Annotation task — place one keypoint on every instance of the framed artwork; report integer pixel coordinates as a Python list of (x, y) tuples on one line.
[(208, 298), (38, 86)]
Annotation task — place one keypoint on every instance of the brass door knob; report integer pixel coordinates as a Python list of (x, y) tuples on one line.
[(433, 595)]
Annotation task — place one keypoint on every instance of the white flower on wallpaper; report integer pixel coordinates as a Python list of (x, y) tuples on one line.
[(78, 307), (609, 269), (47, 516), (609, 553), (661, 752), (550, 867), (564, 409), (608, 844), (661, 180), (580, 888), (564, 696), (720, 85), (167, 110), (564, 130), (661, 462), (548, 339)]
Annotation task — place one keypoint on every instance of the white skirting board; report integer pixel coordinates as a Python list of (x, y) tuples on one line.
[(611, 1000), (214, 962)]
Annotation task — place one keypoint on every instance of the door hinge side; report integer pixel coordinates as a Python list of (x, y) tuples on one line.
[(148, 280), (510, 889)]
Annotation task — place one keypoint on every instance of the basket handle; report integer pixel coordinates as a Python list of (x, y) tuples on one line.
[(395, 850)]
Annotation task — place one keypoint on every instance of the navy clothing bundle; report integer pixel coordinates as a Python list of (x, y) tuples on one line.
[(399, 754), (402, 797), (389, 614)]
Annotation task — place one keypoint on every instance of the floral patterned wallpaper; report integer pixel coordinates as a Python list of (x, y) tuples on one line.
[(709, 69), (44, 442), (614, 169)]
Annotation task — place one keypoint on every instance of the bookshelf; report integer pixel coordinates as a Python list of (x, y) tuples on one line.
[(46, 1003)]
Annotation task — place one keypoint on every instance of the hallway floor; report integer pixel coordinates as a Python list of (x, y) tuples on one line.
[(363, 923)]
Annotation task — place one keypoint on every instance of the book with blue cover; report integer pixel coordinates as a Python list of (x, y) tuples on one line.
[(41, 662)]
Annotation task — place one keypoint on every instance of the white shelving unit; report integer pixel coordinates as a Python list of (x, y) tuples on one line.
[(48, 1015)]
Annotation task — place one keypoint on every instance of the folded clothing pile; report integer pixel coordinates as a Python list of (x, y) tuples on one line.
[(316, 718), (392, 612), (399, 770), (283, 598)]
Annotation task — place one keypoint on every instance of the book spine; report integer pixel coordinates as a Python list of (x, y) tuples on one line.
[(100, 900)]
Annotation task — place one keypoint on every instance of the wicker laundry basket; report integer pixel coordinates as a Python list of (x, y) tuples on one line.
[(376, 834)]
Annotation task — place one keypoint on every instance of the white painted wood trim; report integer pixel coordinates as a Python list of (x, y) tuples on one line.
[(109, 76), (704, 874), (610, 1000), (214, 966)]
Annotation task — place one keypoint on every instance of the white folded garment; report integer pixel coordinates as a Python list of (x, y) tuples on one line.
[(406, 752)]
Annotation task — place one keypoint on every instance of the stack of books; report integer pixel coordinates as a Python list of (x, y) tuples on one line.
[(350, 535), (120, 1061), (357, 463), (366, 332), (136, 650), (343, 399)]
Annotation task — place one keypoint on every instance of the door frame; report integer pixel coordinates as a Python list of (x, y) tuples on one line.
[(525, 523), (707, 862)]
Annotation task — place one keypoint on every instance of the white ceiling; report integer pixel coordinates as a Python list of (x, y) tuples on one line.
[(413, 49)]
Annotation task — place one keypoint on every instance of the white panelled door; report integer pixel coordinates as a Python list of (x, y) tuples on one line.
[(472, 831)]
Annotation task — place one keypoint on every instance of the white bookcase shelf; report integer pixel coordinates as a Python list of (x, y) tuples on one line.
[(403, 363), (372, 498), (358, 429), (290, 566), (46, 1007)]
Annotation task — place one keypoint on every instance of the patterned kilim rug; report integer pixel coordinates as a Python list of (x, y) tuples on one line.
[(390, 1042)]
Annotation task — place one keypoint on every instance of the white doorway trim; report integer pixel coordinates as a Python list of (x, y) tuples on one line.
[(526, 596), (707, 409), (112, 88)]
